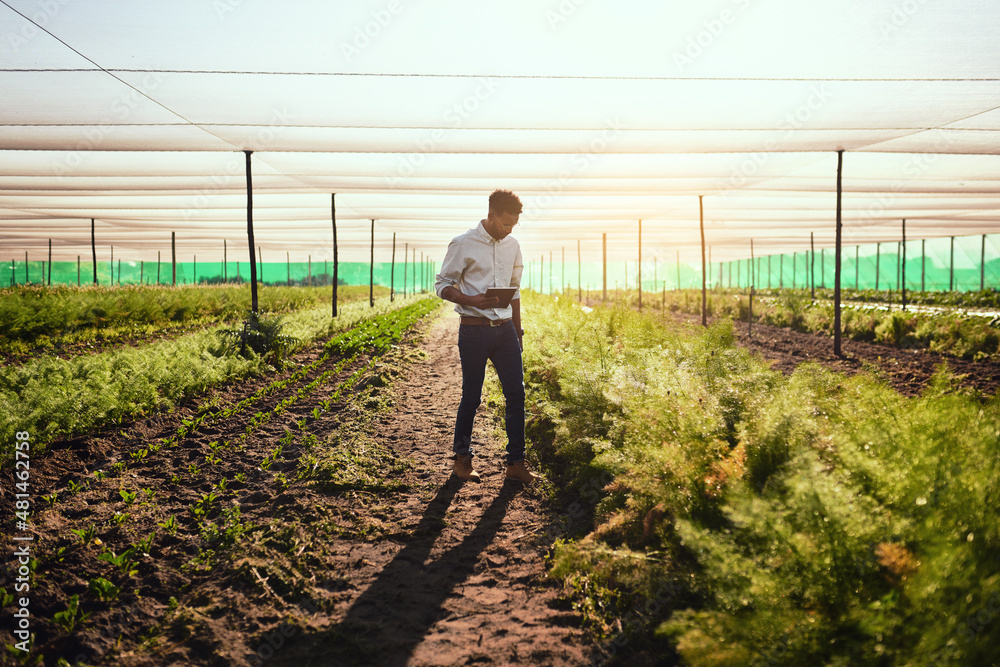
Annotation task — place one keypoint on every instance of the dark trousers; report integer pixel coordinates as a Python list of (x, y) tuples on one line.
[(476, 345)]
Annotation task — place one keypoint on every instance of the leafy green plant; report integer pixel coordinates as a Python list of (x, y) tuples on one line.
[(259, 334), (124, 561), (71, 616), (85, 535), (127, 496), (103, 589), (170, 525)]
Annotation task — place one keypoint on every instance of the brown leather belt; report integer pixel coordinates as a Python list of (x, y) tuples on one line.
[(482, 321)]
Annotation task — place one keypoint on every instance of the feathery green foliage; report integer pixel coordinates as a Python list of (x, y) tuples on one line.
[(748, 518)]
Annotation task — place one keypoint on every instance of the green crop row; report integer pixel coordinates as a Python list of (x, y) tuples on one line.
[(53, 398), (34, 317), (955, 333), (742, 517)]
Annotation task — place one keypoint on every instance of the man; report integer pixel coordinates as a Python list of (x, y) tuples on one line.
[(484, 257)]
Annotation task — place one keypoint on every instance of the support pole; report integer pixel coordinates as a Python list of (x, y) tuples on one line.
[(638, 271), (157, 267), (750, 275), (260, 263), (704, 267), (77, 271), (371, 270), (50, 259), (837, 256), (250, 242), (173, 257), (604, 260), (392, 271), (878, 261), (406, 258), (982, 266), (225, 262), (812, 266), (111, 267), (923, 265), (93, 248), (336, 262), (288, 268), (579, 273), (194, 271), (902, 282), (951, 269)]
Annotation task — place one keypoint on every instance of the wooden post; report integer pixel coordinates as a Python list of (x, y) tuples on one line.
[(157, 267), (260, 263), (392, 271), (93, 248), (902, 282), (28, 280), (371, 271), (604, 260), (336, 262), (951, 269), (142, 271), (310, 273), (119, 271), (288, 268), (111, 267), (173, 257), (406, 258), (704, 267), (579, 273), (878, 261), (194, 272), (837, 256), (982, 266), (750, 303), (923, 265), (77, 270), (812, 266), (638, 266), (225, 262), (250, 242), (50, 259)]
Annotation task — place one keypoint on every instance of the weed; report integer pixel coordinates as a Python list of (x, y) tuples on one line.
[(103, 589)]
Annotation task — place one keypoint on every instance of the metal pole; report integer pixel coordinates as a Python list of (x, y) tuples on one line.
[(50, 259), (336, 261), (93, 248), (903, 266), (704, 267), (639, 266), (604, 255), (250, 242), (173, 257), (371, 270), (837, 256)]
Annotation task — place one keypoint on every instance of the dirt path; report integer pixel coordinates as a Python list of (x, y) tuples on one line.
[(384, 559), (466, 584)]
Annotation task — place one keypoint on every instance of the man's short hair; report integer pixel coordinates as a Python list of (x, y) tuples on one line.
[(505, 201)]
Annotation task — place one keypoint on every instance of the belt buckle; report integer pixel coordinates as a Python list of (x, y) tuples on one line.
[(495, 323)]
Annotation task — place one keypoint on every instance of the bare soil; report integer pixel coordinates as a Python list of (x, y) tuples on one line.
[(399, 564)]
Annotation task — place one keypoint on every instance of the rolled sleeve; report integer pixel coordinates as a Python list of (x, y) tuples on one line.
[(515, 276), (452, 268)]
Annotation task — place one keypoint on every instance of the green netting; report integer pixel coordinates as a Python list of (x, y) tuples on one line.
[(403, 276), (958, 263)]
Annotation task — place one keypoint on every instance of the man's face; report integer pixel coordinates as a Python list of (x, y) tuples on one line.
[(502, 224)]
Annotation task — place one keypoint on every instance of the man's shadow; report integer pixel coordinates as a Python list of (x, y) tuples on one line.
[(388, 620)]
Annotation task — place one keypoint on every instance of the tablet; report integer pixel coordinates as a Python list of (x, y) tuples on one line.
[(503, 293)]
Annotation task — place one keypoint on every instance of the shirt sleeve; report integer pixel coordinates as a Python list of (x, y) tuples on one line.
[(515, 276), (452, 267)]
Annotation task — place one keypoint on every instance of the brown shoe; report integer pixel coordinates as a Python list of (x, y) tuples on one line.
[(518, 471), (463, 468)]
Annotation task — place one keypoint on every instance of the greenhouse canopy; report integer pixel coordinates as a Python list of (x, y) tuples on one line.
[(598, 114)]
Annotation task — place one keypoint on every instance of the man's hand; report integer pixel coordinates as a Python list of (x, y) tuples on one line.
[(475, 300)]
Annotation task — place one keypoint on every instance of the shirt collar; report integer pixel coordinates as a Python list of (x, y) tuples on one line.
[(483, 234)]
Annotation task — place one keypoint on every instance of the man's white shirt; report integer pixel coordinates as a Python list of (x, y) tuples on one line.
[(474, 262)]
